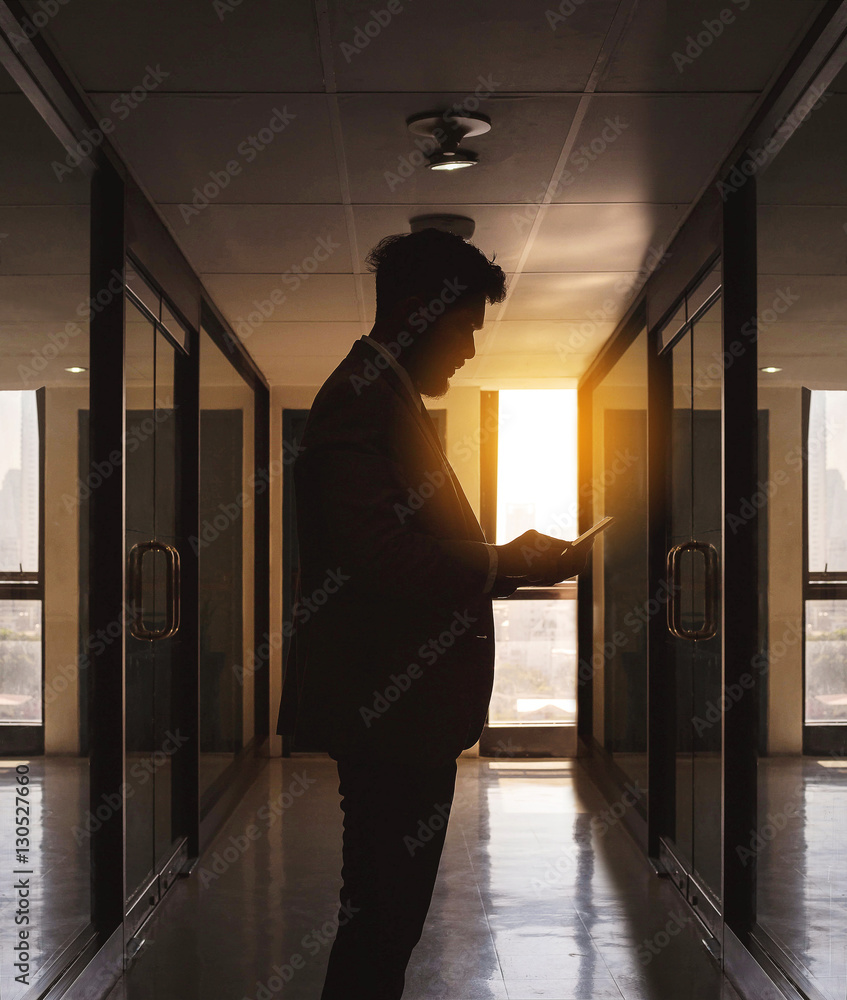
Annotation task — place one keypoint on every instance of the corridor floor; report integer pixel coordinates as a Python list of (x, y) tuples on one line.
[(541, 893)]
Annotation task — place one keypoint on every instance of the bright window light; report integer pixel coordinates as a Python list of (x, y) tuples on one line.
[(536, 463)]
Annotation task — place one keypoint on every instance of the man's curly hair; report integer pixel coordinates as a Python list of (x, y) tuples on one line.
[(422, 263)]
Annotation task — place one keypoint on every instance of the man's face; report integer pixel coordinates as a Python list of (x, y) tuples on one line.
[(446, 344)]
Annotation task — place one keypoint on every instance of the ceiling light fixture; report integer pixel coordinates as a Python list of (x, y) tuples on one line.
[(445, 131), (76, 369), (770, 370)]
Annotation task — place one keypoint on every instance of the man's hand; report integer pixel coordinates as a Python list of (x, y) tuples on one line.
[(542, 559)]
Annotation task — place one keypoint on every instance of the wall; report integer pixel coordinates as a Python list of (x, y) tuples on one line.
[(61, 569), (785, 570)]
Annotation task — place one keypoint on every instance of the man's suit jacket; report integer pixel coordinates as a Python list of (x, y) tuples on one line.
[(393, 648)]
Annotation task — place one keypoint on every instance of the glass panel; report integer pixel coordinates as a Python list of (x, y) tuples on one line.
[(706, 524), (152, 515), (802, 292), (535, 661), (225, 547), (20, 662), (827, 478), (826, 662), (621, 601), (44, 346), (19, 478)]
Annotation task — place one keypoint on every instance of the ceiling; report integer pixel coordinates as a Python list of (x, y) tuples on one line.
[(600, 142)]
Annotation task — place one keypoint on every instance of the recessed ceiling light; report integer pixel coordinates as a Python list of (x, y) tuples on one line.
[(449, 160), (770, 369), (76, 369)]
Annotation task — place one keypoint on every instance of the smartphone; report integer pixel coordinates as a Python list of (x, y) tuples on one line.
[(593, 530)]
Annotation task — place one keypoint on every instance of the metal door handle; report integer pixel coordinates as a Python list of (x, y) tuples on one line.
[(137, 627), (710, 625)]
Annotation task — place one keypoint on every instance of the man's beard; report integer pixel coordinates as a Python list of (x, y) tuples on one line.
[(429, 375), (433, 385)]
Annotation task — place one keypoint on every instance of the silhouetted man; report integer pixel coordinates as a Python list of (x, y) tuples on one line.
[(392, 668)]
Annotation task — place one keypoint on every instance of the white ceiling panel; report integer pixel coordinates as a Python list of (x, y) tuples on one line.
[(247, 300), (312, 371), (802, 239), (34, 171), (656, 149), (263, 238), (520, 45), (604, 237), (228, 144), (52, 300), (788, 180), (546, 337), (672, 45), (591, 297), (44, 239), (303, 339), (203, 45), (516, 158)]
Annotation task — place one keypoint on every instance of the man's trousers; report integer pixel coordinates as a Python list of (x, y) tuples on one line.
[(395, 820)]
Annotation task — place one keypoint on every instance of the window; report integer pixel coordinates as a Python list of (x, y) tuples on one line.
[(20, 583), (826, 579), (535, 671)]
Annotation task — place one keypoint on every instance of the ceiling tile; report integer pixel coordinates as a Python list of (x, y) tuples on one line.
[(248, 300), (203, 45), (263, 238), (672, 46), (590, 298), (44, 239), (303, 339), (616, 237), (821, 139), (231, 149), (522, 46), (659, 150)]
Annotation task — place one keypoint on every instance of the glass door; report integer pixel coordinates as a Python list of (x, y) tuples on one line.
[(694, 610), (154, 540)]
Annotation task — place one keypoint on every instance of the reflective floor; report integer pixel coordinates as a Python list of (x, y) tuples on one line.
[(801, 845), (540, 894)]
